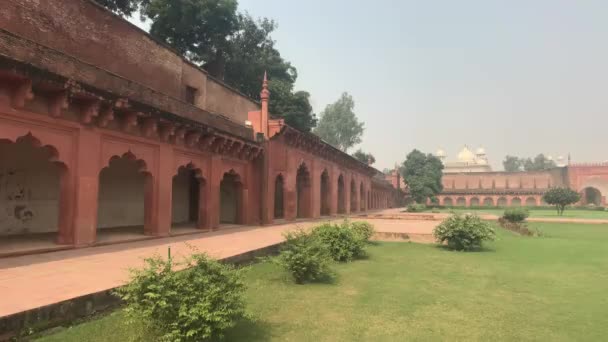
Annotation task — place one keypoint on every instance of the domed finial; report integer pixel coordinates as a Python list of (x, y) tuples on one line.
[(265, 94)]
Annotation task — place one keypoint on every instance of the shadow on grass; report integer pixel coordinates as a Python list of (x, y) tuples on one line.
[(250, 330), (474, 250)]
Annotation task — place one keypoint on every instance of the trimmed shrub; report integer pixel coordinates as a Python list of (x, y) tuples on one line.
[(304, 256), (415, 208), (342, 242), (364, 230), (516, 215), (464, 232), (195, 304)]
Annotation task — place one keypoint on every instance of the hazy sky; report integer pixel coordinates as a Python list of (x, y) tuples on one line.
[(518, 77)]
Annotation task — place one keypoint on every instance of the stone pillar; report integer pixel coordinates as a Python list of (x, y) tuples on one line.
[(347, 190), (314, 201), (162, 193), (290, 188), (213, 201), (267, 190), (204, 214), (86, 187)]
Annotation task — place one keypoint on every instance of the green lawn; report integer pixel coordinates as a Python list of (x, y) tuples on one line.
[(569, 213), (553, 288)]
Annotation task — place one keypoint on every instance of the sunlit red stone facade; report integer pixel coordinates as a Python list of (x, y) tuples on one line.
[(104, 130)]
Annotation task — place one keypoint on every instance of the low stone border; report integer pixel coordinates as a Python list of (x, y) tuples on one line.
[(56, 314)]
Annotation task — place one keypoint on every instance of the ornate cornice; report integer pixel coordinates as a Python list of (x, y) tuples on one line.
[(101, 107), (315, 145)]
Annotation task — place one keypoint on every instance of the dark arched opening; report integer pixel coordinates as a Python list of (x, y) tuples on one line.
[(125, 202), (325, 193), (231, 199), (187, 198), (279, 206), (303, 196), (592, 196), (32, 190)]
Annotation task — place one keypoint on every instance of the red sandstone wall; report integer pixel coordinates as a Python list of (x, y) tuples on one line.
[(504, 180), (90, 33)]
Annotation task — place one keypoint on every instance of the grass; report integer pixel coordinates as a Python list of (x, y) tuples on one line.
[(552, 288), (569, 213)]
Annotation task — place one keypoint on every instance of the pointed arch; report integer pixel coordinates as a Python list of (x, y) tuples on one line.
[(125, 197), (188, 196), (231, 198), (279, 197), (35, 190), (303, 192)]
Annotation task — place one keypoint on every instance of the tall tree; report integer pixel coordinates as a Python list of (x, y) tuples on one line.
[(294, 107), (231, 46), (512, 164), (339, 125), (252, 53), (422, 174), (539, 163), (124, 8), (363, 157), (198, 29)]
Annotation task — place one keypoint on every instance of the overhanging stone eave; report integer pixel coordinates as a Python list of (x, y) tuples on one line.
[(34, 60), (330, 151)]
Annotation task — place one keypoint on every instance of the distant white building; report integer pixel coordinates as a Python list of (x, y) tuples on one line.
[(466, 162)]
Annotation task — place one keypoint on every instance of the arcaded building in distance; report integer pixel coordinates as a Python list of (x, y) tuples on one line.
[(470, 181), (107, 134)]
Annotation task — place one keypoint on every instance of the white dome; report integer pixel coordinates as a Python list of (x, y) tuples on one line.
[(465, 155), (480, 151), (549, 158), (440, 153)]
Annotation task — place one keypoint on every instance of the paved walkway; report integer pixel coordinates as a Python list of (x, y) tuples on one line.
[(32, 281)]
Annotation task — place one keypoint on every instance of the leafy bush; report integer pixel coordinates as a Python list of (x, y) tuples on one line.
[(342, 242), (464, 232), (198, 303), (364, 230), (304, 256), (516, 215), (415, 208)]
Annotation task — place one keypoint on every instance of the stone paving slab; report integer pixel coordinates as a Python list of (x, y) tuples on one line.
[(32, 281)]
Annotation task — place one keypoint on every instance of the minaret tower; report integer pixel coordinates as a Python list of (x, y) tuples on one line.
[(264, 96)]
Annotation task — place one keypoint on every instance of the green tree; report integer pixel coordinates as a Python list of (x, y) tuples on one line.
[(231, 46), (422, 173), (252, 52), (512, 164), (539, 163), (560, 198), (294, 107), (198, 29), (363, 157), (339, 125), (123, 8)]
